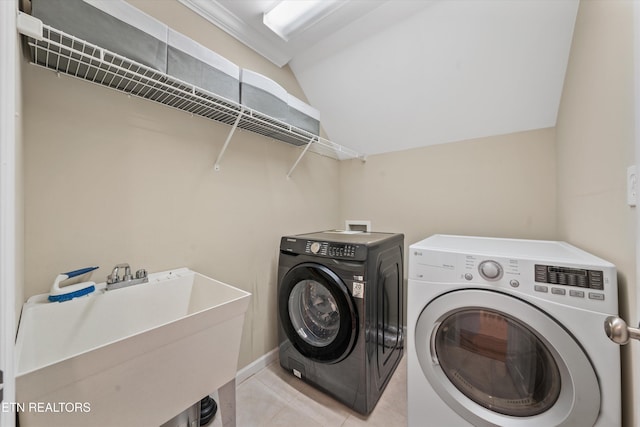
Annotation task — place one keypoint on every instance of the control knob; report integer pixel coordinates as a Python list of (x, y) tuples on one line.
[(490, 270), (315, 247)]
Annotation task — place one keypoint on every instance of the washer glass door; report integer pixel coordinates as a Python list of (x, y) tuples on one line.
[(314, 313), (495, 359), (317, 313)]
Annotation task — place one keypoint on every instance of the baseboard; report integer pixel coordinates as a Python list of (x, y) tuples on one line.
[(256, 366)]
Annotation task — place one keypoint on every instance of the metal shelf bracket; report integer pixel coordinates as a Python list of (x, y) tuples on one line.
[(216, 166), (300, 156)]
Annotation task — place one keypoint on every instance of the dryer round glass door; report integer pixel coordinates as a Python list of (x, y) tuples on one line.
[(498, 360), (317, 313)]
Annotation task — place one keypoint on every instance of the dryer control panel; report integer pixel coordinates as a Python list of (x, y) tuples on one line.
[(554, 275), (592, 287)]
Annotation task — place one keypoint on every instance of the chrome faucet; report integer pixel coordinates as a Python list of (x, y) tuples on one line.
[(113, 277), (114, 281)]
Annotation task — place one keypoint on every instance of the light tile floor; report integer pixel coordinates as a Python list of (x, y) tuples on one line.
[(273, 397)]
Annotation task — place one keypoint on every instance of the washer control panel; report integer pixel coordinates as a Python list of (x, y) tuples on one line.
[(332, 249)]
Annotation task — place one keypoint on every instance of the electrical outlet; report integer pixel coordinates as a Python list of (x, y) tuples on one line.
[(632, 185)]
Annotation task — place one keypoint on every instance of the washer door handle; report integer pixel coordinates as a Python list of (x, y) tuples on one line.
[(618, 331)]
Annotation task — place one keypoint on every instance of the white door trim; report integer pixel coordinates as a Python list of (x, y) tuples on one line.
[(8, 83), (635, 317)]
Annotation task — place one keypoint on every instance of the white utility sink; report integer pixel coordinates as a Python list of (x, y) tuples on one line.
[(135, 356)]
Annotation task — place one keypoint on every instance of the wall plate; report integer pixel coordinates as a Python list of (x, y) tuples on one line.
[(357, 225), (632, 185)]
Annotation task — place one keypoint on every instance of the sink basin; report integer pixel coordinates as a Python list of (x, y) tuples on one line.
[(134, 356)]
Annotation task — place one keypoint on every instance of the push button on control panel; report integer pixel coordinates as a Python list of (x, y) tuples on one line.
[(541, 288), (348, 251), (596, 296), (575, 293)]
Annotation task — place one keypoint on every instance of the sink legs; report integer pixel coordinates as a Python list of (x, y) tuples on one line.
[(227, 397)]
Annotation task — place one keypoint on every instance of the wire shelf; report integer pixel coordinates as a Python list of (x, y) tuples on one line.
[(70, 55)]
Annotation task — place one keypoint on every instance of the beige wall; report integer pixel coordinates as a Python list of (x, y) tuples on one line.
[(595, 144), (497, 186), (112, 179), (501, 186)]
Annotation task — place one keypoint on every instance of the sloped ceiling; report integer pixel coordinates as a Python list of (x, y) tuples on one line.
[(402, 74)]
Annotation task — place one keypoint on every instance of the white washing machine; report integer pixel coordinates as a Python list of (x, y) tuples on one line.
[(506, 332)]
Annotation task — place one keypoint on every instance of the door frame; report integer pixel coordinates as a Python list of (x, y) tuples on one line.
[(635, 317), (8, 196)]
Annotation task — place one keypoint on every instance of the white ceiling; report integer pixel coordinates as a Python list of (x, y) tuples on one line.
[(398, 74)]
